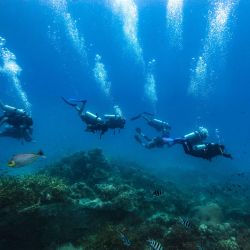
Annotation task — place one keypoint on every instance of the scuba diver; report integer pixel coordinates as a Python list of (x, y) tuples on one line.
[(156, 142), (193, 145), (93, 121), (206, 151), (18, 124), (160, 126)]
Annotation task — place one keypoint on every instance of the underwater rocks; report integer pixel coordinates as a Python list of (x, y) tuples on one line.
[(18, 193), (229, 244), (86, 201), (210, 214)]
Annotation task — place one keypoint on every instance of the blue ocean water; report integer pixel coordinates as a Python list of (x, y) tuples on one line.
[(186, 61)]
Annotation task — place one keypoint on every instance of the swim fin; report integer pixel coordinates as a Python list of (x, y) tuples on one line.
[(147, 113), (69, 103), (135, 117), (77, 100)]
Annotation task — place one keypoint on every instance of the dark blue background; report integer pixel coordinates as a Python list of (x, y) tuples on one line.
[(54, 68)]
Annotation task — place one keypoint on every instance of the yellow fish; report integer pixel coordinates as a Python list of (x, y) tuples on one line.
[(21, 160)]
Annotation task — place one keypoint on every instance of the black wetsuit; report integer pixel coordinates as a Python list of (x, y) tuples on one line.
[(19, 125), (158, 125), (156, 142), (94, 122), (206, 151)]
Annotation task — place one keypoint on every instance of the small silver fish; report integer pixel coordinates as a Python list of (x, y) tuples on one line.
[(154, 244), (21, 160)]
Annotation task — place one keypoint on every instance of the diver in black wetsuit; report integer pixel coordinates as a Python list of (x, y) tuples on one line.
[(206, 151), (156, 142), (114, 122), (18, 123), (193, 145), (95, 123), (158, 125)]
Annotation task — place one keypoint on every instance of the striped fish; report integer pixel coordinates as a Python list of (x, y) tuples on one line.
[(126, 242), (158, 192), (185, 222), (154, 245)]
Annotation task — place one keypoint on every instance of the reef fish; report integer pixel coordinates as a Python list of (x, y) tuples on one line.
[(125, 240), (155, 245), (21, 160), (185, 222), (158, 192)]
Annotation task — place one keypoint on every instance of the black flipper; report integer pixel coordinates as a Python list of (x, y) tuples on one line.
[(147, 113), (69, 103), (135, 117)]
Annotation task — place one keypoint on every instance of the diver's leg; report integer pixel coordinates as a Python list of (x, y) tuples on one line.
[(179, 140), (138, 139), (82, 107), (187, 147), (138, 130), (151, 144), (228, 155), (147, 119)]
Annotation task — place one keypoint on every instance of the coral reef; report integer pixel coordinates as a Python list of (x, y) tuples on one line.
[(86, 201)]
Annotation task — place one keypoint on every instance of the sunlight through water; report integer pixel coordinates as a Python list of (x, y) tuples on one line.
[(60, 7), (12, 70), (150, 86), (101, 76), (203, 73), (127, 10), (174, 22)]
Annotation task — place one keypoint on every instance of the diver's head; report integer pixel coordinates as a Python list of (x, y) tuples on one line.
[(11, 163), (118, 110), (203, 132)]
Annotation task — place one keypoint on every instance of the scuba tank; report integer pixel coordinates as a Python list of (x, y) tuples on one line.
[(12, 110), (91, 118), (159, 125), (197, 136)]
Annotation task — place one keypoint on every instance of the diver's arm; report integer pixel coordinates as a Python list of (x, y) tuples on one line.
[(188, 149)]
